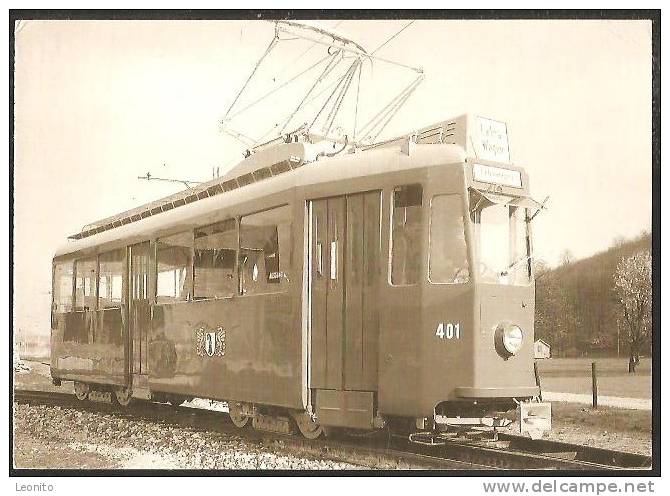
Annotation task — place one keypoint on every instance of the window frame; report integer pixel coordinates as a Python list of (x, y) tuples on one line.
[(124, 275), (392, 239), (236, 289), (283, 288), (95, 289), (527, 244), (54, 304), (188, 280), (475, 220), (465, 238)]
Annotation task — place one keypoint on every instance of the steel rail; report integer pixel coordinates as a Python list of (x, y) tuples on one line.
[(510, 452), (343, 450), (511, 457)]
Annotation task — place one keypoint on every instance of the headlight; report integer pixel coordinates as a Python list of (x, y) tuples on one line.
[(509, 339)]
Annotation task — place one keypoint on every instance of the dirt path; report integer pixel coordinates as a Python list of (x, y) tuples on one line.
[(586, 399)]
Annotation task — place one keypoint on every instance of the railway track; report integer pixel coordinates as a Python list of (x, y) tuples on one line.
[(514, 452), (508, 452)]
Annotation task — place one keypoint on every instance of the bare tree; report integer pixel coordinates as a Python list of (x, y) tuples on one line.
[(566, 257), (632, 282), (619, 241)]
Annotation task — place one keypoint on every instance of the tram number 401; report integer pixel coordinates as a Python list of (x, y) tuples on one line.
[(448, 331)]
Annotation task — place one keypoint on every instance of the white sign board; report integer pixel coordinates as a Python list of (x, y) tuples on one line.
[(496, 175), (490, 140)]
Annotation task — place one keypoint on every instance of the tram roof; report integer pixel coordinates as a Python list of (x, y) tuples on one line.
[(348, 166), (281, 165)]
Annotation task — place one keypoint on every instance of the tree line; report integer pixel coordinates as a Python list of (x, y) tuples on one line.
[(597, 306)]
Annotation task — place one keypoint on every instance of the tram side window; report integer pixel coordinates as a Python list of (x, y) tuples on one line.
[(86, 277), (214, 260), (406, 234), (110, 278), (265, 251), (447, 256), (173, 267), (62, 289)]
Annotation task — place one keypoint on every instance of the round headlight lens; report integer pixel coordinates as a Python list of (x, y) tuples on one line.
[(512, 338)]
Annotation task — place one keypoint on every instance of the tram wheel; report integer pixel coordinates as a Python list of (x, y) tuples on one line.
[(308, 428), (235, 412), (176, 400), (123, 395), (81, 390)]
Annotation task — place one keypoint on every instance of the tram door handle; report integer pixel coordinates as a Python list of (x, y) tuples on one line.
[(319, 259), (333, 260)]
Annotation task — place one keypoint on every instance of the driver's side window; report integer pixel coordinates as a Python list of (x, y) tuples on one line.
[(448, 256), (406, 228)]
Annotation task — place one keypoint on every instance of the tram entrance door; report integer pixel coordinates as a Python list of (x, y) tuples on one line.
[(139, 313), (345, 254)]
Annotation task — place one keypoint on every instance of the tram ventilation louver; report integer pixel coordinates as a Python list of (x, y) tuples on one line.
[(206, 191), (445, 133)]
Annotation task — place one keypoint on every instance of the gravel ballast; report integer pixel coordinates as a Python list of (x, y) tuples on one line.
[(55, 437)]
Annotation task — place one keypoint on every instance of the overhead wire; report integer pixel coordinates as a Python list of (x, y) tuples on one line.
[(397, 108), (265, 54), (340, 98), (326, 72), (392, 37), (307, 101), (325, 104), (379, 116), (274, 90), (338, 94), (290, 64), (358, 92)]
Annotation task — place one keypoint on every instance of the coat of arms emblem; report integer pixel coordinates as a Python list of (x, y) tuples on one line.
[(210, 343)]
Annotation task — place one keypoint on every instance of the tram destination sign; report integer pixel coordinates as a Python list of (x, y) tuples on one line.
[(496, 175), (490, 139)]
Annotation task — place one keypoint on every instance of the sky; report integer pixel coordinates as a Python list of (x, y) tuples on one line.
[(98, 103)]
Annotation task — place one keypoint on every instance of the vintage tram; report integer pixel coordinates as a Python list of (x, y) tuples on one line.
[(388, 285)]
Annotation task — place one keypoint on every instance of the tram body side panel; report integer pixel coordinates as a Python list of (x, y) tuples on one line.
[(400, 360), (257, 357), (258, 344), (89, 346), (417, 368), (448, 338)]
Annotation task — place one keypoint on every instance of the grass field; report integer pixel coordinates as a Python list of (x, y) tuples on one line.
[(604, 418), (614, 428), (573, 375)]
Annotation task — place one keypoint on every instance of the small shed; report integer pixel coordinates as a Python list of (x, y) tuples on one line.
[(542, 349)]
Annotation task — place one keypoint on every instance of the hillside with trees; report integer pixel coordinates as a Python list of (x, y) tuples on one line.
[(578, 309)]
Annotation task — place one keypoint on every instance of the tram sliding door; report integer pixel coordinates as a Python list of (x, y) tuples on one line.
[(345, 256), (139, 311), (327, 292)]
